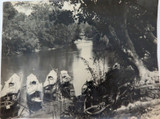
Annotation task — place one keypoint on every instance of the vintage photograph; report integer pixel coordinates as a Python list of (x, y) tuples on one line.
[(80, 59)]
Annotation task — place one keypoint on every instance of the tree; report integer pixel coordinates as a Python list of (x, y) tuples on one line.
[(47, 26), (65, 17), (8, 13), (119, 20)]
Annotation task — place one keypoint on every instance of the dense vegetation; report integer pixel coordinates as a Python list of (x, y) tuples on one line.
[(122, 26), (125, 31), (129, 27), (46, 27), (122, 30)]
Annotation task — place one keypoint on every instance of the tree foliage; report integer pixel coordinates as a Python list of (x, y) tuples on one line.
[(46, 27), (128, 26)]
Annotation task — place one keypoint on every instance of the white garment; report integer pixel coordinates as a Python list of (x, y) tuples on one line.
[(14, 88), (50, 81), (33, 87)]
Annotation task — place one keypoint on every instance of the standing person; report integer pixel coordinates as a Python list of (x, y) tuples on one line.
[(67, 92), (111, 82)]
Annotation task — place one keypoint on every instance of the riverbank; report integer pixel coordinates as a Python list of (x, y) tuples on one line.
[(139, 109), (23, 52), (153, 113), (136, 110)]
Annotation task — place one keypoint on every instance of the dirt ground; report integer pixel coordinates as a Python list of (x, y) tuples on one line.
[(154, 113)]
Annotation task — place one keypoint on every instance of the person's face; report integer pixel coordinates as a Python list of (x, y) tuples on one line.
[(50, 78)]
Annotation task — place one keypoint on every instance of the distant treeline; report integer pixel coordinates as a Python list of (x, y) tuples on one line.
[(126, 27), (46, 27)]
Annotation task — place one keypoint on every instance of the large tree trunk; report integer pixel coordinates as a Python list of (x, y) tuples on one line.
[(144, 73), (126, 47)]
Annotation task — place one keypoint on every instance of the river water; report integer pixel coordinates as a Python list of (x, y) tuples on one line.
[(41, 63)]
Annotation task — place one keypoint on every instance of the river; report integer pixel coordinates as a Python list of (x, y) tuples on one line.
[(68, 58)]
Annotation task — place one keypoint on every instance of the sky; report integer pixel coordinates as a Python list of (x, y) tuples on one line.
[(27, 11), (67, 7)]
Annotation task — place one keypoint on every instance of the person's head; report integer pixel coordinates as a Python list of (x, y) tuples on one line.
[(33, 82), (50, 78), (11, 84), (64, 76), (116, 66)]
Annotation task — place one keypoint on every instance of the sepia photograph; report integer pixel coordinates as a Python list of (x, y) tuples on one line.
[(80, 59)]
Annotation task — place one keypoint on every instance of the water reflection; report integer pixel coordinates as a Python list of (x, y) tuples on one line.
[(80, 73), (41, 63)]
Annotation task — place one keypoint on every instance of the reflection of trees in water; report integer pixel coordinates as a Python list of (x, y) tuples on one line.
[(128, 29), (60, 59), (39, 63)]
